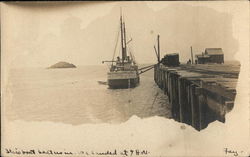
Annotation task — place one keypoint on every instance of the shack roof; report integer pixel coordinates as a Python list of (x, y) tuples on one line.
[(213, 51)]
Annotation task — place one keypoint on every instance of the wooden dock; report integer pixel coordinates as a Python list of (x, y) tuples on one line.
[(199, 94)]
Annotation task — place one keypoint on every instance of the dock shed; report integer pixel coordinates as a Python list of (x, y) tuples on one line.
[(171, 60), (215, 55), (211, 55), (202, 59)]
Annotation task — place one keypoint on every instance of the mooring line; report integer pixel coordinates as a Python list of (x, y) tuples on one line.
[(154, 101)]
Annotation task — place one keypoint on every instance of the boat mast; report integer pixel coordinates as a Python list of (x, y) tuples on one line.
[(122, 40), (125, 44)]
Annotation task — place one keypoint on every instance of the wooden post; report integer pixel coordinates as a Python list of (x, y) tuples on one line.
[(167, 82), (200, 105), (158, 74), (160, 78), (169, 85), (174, 97), (159, 54), (176, 101), (202, 111), (188, 115), (181, 95), (195, 107), (171, 96), (192, 105), (164, 82), (192, 55)]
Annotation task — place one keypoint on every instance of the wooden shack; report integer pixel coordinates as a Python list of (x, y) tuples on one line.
[(202, 59), (171, 60), (211, 55), (215, 55)]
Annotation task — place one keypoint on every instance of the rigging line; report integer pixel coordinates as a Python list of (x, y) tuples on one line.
[(143, 71), (147, 67), (130, 48), (116, 44), (133, 55), (130, 53), (119, 52)]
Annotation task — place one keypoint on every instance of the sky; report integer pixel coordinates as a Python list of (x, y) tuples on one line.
[(84, 33)]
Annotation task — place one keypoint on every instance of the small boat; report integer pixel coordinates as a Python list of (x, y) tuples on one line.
[(123, 72)]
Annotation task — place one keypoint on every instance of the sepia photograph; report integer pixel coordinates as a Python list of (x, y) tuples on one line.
[(125, 79)]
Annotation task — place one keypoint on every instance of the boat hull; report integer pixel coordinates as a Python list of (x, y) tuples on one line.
[(123, 79)]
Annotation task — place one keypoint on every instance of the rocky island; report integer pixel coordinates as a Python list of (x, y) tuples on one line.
[(62, 65)]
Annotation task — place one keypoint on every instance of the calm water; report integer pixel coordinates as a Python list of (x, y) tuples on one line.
[(74, 96)]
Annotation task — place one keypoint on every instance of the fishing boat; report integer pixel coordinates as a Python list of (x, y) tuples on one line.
[(123, 72)]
